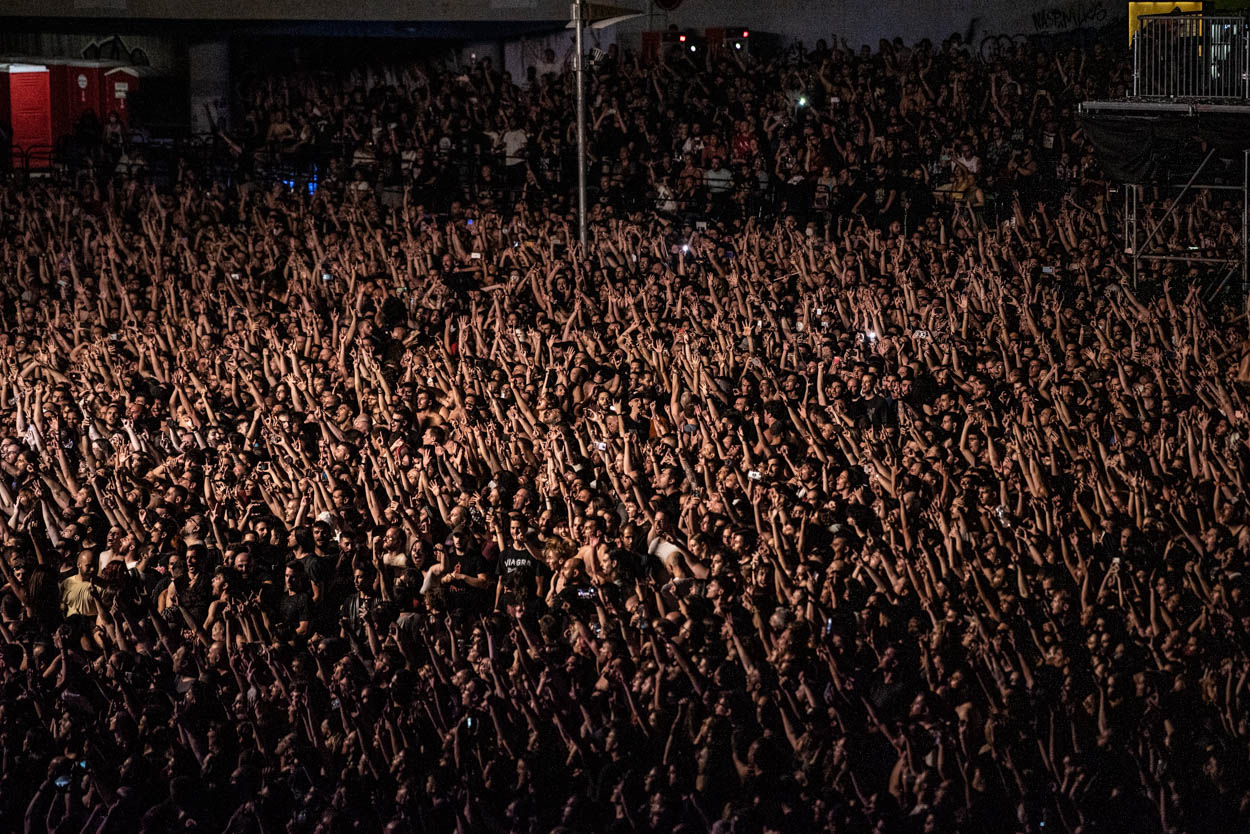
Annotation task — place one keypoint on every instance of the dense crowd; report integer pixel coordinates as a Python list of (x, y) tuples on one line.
[(830, 132), (808, 496)]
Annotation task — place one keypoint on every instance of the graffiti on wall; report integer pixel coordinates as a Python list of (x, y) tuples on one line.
[(115, 49), (1053, 21), (1077, 14), (992, 46)]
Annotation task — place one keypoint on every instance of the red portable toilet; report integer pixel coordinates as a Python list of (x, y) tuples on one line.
[(5, 121), (651, 46), (77, 88), (29, 109), (119, 84), (716, 37)]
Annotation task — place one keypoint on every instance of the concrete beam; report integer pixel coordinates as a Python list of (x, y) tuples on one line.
[(329, 10)]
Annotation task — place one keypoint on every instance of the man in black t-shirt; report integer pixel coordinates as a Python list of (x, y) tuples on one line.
[(319, 571), (467, 577), (519, 563), (297, 604), (886, 193), (194, 594), (358, 605)]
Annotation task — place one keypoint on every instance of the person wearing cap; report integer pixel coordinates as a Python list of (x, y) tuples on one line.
[(465, 577)]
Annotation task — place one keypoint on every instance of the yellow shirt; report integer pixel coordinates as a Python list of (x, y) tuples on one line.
[(78, 597)]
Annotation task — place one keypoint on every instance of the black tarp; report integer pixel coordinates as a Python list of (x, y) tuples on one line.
[(1149, 148)]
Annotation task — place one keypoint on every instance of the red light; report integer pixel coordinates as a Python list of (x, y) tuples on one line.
[(681, 38), (746, 33)]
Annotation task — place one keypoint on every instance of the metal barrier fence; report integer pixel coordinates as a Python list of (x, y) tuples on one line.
[(471, 175), (1192, 56)]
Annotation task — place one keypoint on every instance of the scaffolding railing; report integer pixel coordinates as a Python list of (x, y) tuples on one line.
[(1195, 56)]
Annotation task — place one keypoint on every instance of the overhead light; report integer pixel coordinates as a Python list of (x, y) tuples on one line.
[(737, 46), (692, 47)]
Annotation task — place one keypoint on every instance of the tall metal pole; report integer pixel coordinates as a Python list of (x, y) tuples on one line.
[(579, 18)]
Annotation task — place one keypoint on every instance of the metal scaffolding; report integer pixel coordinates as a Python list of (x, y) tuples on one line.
[(1186, 67), (1135, 225)]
